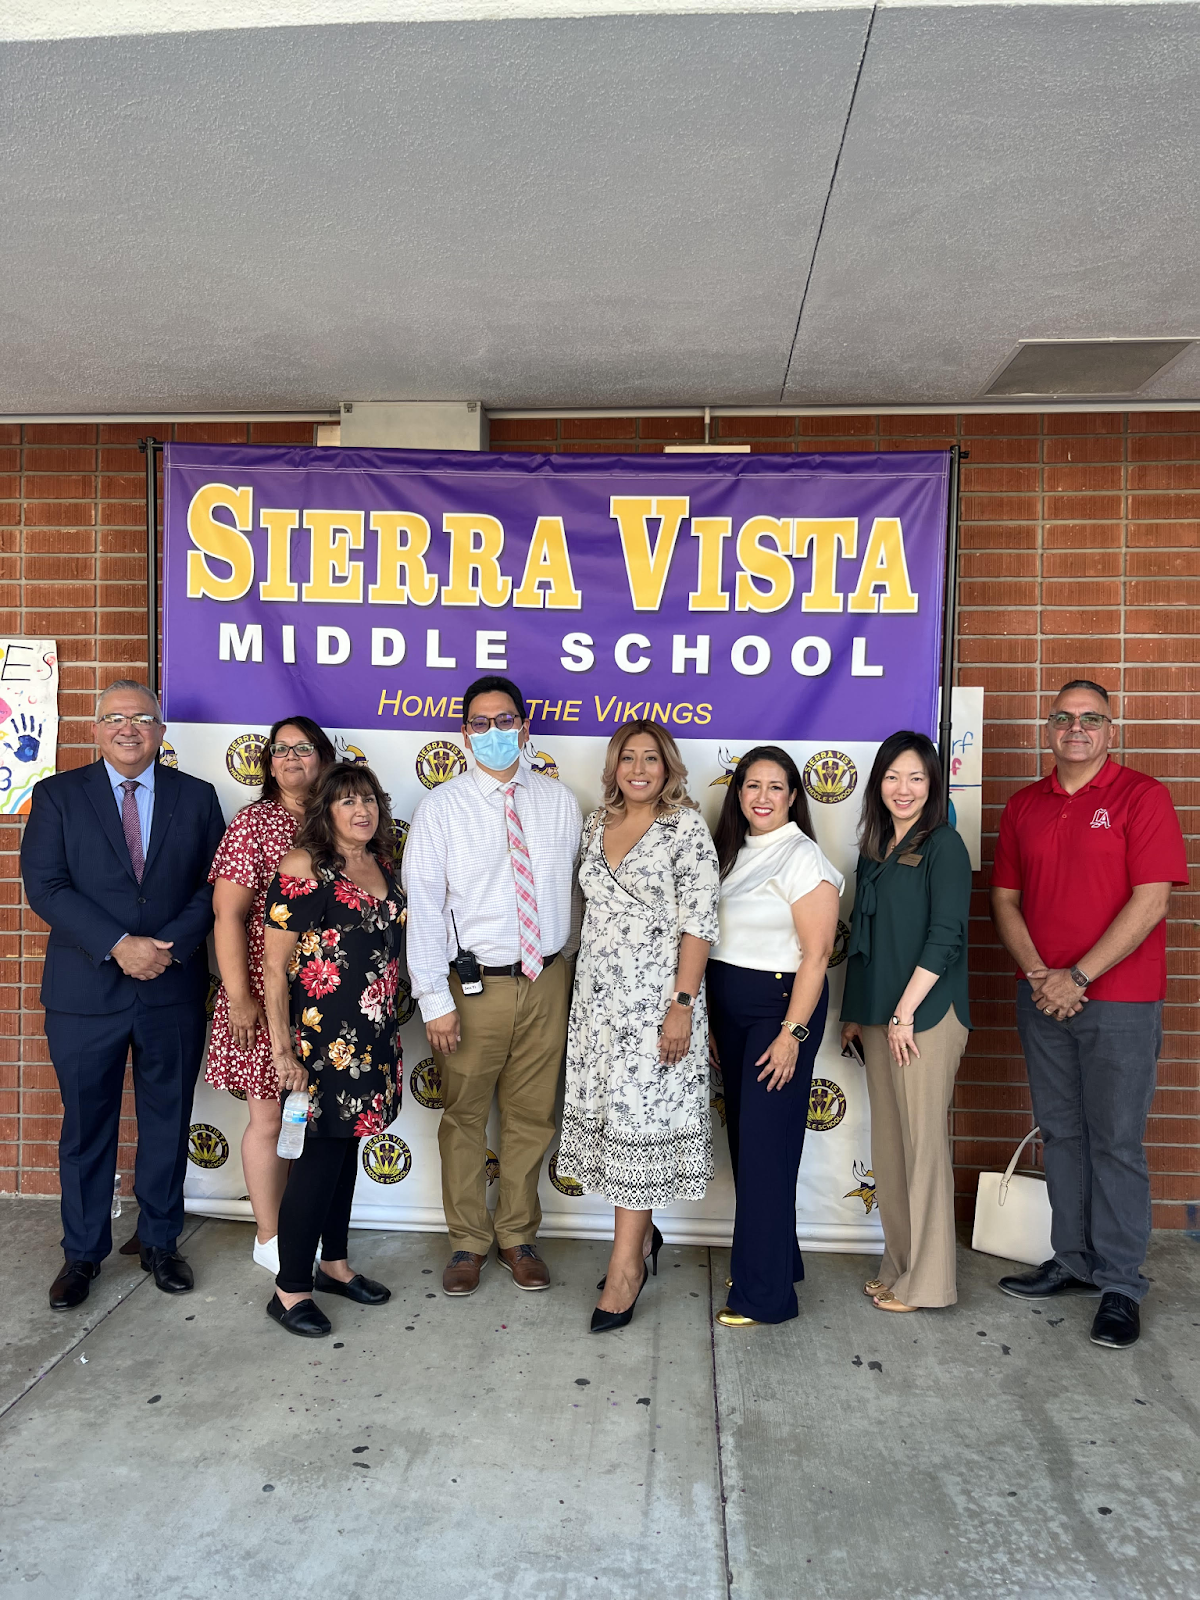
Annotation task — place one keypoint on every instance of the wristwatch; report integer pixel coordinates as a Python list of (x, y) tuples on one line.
[(1079, 978), (894, 1022), (682, 998), (797, 1030)]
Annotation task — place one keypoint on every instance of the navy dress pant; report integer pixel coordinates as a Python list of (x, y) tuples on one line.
[(89, 1056), (766, 1134)]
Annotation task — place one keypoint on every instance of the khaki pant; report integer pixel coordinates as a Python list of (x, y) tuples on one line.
[(910, 1158), (514, 1036)]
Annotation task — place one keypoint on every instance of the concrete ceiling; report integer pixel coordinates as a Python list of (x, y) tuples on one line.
[(751, 205)]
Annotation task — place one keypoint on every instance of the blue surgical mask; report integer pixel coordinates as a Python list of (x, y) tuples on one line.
[(498, 748)]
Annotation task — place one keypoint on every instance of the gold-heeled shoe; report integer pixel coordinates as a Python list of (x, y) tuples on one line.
[(734, 1319), (873, 1286), (729, 1283)]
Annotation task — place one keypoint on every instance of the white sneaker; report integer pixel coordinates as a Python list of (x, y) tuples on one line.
[(267, 1255)]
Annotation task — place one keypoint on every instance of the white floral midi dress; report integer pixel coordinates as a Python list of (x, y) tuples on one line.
[(635, 1131)]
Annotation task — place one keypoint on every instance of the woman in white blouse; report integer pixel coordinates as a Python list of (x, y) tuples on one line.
[(767, 996)]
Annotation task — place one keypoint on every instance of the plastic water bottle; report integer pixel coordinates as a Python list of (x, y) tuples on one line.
[(295, 1124), (116, 1205)]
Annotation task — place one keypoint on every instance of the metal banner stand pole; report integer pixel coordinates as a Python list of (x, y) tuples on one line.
[(150, 448), (949, 619)]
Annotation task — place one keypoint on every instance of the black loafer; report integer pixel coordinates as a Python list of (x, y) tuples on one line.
[(73, 1284), (1043, 1282), (364, 1291), (1118, 1323), (171, 1272), (306, 1319)]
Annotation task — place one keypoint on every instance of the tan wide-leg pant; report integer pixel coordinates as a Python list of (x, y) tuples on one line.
[(910, 1157), (514, 1037)]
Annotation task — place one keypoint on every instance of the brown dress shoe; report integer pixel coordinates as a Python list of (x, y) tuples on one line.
[(462, 1273), (528, 1269)]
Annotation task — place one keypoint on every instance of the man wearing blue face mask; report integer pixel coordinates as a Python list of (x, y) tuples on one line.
[(489, 870)]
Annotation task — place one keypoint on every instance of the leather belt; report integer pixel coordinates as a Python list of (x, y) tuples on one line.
[(514, 971)]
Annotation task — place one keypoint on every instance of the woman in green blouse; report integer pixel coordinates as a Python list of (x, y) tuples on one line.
[(905, 1004)]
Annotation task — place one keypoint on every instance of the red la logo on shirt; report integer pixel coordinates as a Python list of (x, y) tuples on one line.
[(1100, 820)]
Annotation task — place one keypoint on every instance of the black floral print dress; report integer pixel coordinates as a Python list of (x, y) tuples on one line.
[(344, 973)]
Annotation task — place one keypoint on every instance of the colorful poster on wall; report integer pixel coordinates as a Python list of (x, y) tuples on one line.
[(28, 719), (738, 600)]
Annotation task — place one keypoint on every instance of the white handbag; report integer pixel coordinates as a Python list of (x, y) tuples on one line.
[(1012, 1214)]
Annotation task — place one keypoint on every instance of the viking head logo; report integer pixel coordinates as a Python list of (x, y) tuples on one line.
[(207, 1146), (829, 776), (730, 765), (492, 1167), (542, 761), (166, 754), (866, 1187), (718, 1105), (438, 760), (350, 754)]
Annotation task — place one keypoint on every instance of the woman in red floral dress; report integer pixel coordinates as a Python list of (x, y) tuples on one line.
[(334, 924), (239, 1048)]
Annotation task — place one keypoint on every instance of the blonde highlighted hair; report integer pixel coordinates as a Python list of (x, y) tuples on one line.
[(674, 793)]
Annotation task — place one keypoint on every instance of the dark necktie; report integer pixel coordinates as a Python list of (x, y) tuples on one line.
[(132, 825)]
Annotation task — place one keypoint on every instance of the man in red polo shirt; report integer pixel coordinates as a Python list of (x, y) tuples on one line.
[(1083, 873)]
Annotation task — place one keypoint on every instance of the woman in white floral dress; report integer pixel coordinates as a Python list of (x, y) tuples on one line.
[(636, 1122)]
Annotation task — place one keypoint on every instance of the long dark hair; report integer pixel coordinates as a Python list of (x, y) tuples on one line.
[(732, 826), (316, 833), (877, 825), (314, 733)]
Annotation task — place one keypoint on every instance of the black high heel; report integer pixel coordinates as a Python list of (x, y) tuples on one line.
[(656, 1244), (605, 1321)]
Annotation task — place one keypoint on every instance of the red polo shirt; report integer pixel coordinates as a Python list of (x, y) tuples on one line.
[(1076, 859)]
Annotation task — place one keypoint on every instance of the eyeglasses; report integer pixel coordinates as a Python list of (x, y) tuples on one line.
[(506, 721), (303, 749), (1091, 720), (141, 719)]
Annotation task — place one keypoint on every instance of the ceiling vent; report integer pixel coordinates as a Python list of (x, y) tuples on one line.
[(1050, 369)]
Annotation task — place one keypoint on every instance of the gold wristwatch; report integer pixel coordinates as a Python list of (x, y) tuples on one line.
[(797, 1030)]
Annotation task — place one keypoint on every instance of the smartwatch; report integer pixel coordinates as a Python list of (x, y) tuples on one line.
[(1080, 979), (797, 1030), (682, 998)]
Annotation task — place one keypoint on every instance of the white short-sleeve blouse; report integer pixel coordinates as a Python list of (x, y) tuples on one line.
[(772, 871)]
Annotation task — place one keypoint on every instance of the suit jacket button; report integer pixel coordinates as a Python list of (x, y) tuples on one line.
[(141, 899)]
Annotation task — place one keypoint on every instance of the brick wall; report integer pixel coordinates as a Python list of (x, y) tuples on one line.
[(1080, 556)]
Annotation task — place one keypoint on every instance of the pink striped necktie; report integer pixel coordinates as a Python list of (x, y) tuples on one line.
[(131, 826), (527, 911)]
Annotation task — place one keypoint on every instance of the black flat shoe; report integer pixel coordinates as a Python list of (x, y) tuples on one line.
[(656, 1244), (1050, 1279), (606, 1321), (171, 1272), (1118, 1323), (306, 1319), (363, 1291), (73, 1284)]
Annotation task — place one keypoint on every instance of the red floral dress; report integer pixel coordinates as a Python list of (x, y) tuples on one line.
[(255, 842), (344, 972)]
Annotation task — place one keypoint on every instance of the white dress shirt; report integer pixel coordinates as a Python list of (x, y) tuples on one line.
[(456, 861), (772, 871)]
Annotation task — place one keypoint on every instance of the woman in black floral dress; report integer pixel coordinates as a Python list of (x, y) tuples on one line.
[(333, 929)]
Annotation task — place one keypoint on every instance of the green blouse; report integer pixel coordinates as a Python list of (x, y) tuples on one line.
[(910, 914)]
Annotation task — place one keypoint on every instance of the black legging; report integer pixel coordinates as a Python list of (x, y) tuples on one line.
[(316, 1206)]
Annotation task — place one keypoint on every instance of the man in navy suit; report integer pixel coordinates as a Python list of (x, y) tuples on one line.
[(115, 858)]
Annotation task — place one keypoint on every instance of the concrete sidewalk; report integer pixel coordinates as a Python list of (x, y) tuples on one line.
[(184, 1447)]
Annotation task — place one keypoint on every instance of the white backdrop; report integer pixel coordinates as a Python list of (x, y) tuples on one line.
[(399, 1181)]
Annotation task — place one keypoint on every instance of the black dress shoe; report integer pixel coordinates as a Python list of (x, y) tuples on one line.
[(73, 1284), (606, 1321), (1118, 1323), (1049, 1279), (171, 1272), (306, 1319), (364, 1291)]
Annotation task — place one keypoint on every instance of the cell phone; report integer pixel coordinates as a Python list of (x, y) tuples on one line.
[(854, 1045), (469, 975)]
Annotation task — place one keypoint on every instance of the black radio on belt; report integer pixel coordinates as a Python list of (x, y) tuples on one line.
[(466, 964)]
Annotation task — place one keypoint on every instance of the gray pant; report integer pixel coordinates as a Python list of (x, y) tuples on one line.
[(1092, 1080)]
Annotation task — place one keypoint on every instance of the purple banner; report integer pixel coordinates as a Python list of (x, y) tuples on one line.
[(741, 597)]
